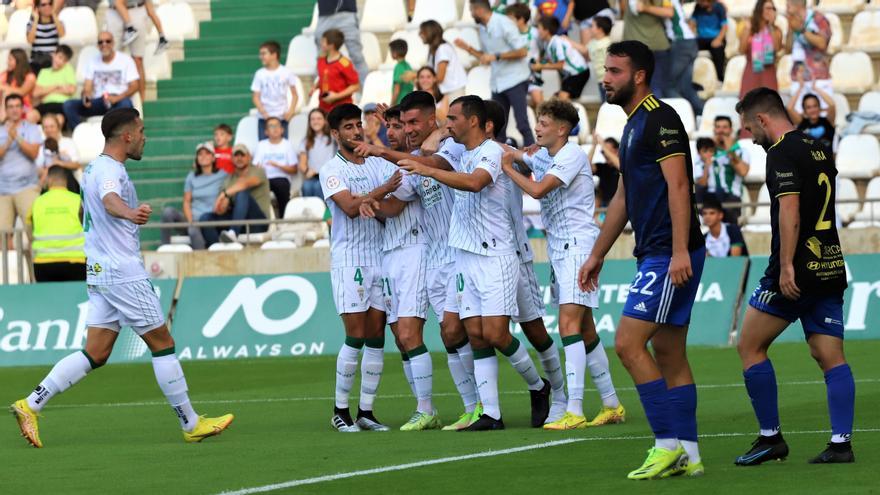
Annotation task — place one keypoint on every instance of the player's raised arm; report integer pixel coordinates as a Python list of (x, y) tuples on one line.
[(475, 181), (534, 189)]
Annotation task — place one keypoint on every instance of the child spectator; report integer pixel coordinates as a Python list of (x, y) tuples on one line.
[(337, 78), (278, 159), (600, 40), (403, 72), (18, 80), (703, 166), (561, 10), (521, 15), (270, 88), (56, 84), (223, 148), (563, 57), (709, 19), (316, 149), (723, 239)]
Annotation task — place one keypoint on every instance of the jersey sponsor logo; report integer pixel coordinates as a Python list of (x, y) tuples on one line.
[(668, 132), (109, 184), (629, 138), (641, 307), (818, 155), (668, 142)]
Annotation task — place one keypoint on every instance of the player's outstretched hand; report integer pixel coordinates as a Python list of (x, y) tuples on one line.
[(413, 167), (507, 160), (588, 277), (365, 149), (787, 285), (368, 208), (431, 144), (531, 149), (680, 269), (394, 182), (141, 214)]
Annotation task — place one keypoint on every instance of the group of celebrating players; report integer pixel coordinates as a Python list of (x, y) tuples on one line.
[(436, 220)]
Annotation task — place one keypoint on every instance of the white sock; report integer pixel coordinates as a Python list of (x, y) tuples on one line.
[(169, 376), (463, 381), (486, 374), (423, 378), (522, 363), (346, 367), (600, 372), (575, 369), (407, 372), (692, 449), (466, 356), (666, 443), (371, 374), (552, 366), (64, 375), (769, 433)]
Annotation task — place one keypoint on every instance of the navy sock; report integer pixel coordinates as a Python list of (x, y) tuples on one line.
[(684, 408), (761, 386), (841, 390), (658, 409)]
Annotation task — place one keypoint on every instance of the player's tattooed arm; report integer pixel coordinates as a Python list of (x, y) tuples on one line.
[(534, 189), (789, 230), (615, 221), (674, 171), (116, 207), (473, 182)]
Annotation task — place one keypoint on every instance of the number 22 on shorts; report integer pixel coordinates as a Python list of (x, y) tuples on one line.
[(650, 278)]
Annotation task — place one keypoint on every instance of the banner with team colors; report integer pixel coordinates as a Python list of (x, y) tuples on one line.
[(287, 315)]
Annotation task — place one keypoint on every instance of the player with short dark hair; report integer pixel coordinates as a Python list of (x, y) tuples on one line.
[(655, 194), (805, 279)]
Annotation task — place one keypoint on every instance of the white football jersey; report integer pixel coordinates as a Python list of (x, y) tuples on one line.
[(354, 241), (481, 221), (406, 228), (567, 211), (113, 247), (523, 248)]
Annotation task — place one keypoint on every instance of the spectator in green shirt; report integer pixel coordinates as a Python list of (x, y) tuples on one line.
[(403, 72), (56, 84)]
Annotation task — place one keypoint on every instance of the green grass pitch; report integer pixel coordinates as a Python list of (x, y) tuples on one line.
[(113, 433)]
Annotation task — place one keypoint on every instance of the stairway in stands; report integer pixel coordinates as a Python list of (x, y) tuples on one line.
[(211, 85)]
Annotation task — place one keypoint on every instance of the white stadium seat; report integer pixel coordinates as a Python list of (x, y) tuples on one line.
[(610, 121), (760, 219), (444, 12), (4, 26), (226, 246), (301, 55), (278, 245), (733, 75), (842, 6), (705, 76), (858, 156), (616, 33), (383, 16), (468, 34), (732, 47), (864, 33), (585, 133), (870, 210), (370, 49), (757, 161), (156, 67), (783, 74), (80, 26), (377, 87), (513, 132), (836, 41), (174, 248), (417, 51), (739, 8), (310, 29), (322, 243), (467, 20), (16, 34), (178, 22), (246, 133), (297, 128), (870, 102), (846, 191), (88, 140), (479, 82), (718, 106), (685, 112), (852, 72), (305, 209)]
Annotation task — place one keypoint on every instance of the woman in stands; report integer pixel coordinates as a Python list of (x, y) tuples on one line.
[(316, 149), (426, 80), (18, 80), (760, 42), (200, 190), (811, 122), (442, 57)]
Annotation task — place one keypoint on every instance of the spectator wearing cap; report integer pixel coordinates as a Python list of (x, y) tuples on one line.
[(723, 239), (278, 158), (243, 196), (200, 191), (20, 143), (56, 231)]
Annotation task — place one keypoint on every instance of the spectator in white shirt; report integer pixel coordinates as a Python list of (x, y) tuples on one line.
[(270, 88), (276, 156), (110, 81), (451, 77)]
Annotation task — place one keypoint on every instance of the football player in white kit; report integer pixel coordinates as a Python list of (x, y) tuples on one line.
[(119, 288), (416, 115), (347, 181), (567, 194), (481, 228)]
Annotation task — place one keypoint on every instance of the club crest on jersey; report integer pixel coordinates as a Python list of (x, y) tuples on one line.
[(332, 182)]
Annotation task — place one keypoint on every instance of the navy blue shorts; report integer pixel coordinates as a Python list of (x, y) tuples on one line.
[(818, 314), (652, 297)]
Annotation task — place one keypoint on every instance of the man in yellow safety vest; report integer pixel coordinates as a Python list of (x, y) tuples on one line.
[(58, 238)]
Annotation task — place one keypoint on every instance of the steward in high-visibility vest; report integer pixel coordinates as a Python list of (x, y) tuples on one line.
[(58, 238)]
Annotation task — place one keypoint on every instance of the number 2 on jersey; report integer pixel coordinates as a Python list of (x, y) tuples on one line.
[(823, 224)]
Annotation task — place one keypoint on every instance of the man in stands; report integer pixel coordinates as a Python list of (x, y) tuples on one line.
[(20, 143), (110, 82)]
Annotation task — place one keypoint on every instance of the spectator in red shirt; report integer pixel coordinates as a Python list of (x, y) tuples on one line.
[(223, 148), (337, 77)]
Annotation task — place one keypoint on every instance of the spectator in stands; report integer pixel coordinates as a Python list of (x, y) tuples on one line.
[(561, 10), (584, 13), (597, 48), (243, 196), (561, 56), (341, 16), (200, 191), (609, 171), (724, 239), (337, 78), (404, 75), (223, 148), (643, 21), (426, 80), (57, 150), (375, 131), (729, 165), (43, 32), (277, 157), (702, 166), (110, 81), (92, 4), (521, 14), (18, 80), (683, 52), (451, 77), (812, 122), (271, 85), (19, 181), (316, 149), (504, 48), (57, 239), (809, 34), (56, 84), (127, 21), (760, 41), (709, 19)]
